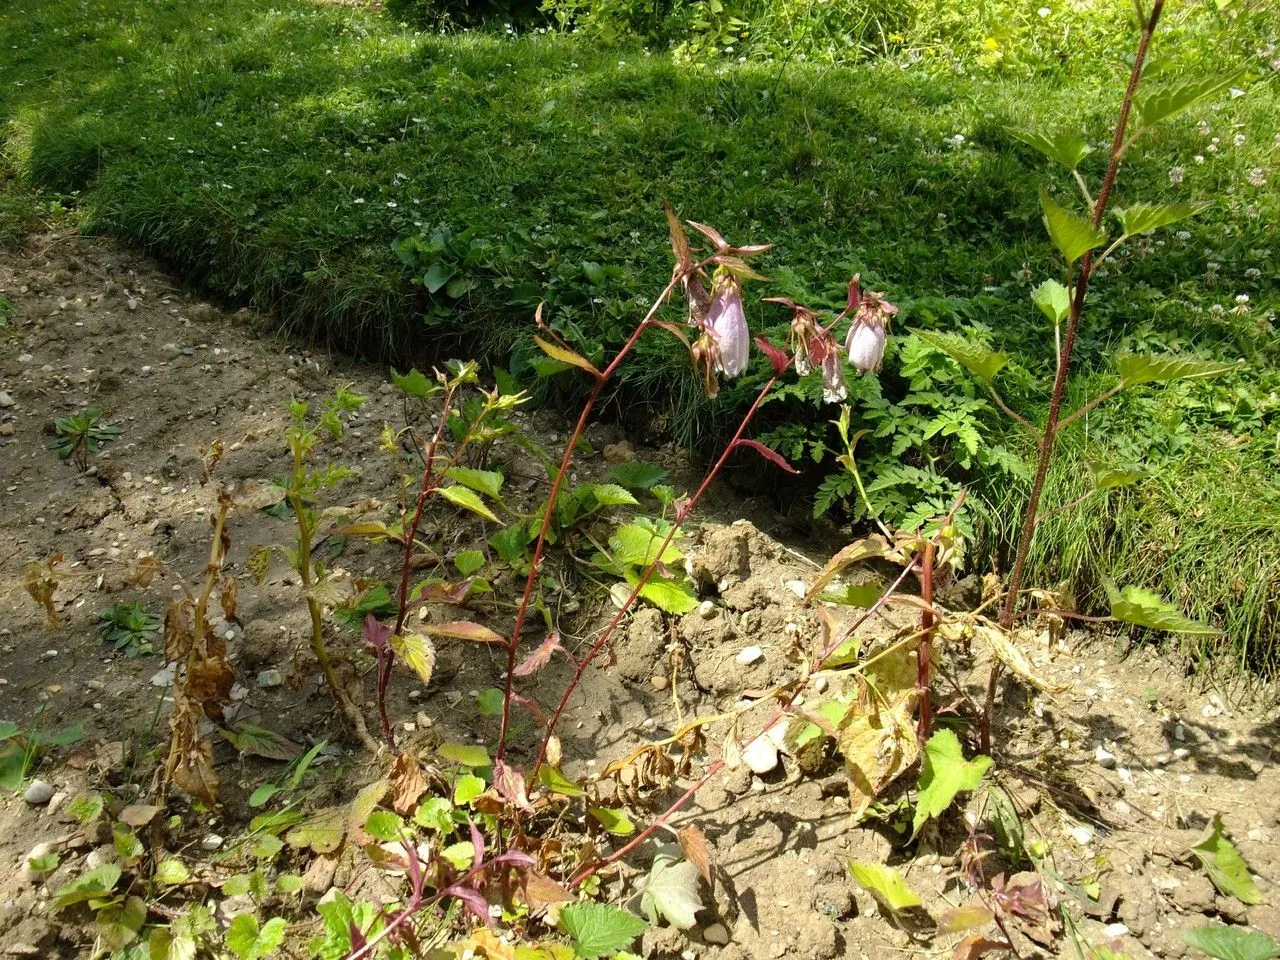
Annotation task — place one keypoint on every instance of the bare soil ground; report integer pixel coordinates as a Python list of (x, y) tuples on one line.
[(98, 326)]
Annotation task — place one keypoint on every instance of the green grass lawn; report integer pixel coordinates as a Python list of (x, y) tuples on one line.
[(274, 153)]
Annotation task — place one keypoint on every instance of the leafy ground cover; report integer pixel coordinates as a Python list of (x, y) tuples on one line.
[(390, 191)]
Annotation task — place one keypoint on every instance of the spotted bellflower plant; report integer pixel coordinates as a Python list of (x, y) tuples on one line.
[(723, 342), (814, 348), (869, 332)]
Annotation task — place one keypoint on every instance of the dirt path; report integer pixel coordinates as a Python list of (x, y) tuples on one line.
[(1114, 779)]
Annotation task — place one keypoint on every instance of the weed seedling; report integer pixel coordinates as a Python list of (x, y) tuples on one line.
[(81, 434), (129, 627)]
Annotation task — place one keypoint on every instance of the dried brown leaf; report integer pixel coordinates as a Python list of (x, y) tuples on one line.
[(698, 852), (975, 945), (41, 585), (227, 598), (540, 657), (407, 783), (865, 549), (144, 571)]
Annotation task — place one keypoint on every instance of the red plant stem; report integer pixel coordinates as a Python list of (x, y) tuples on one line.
[(429, 481), (924, 653), (681, 515), (778, 714), (1064, 365), (513, 645)]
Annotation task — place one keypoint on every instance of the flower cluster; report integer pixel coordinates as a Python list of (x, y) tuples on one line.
[(722, 342)]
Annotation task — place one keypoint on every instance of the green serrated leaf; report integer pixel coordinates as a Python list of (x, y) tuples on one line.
[(1224, 865), (488, 482), (414, 384), (468, 787), (598, 929), (945, 773), (248, 942), (468, 499), (1108, 478), (557, 782), (1161, 104), (981, 362), (638, 546), (466, 754), (610, 495), (1231, 943), (417, 652), (671, 892), (1141, 217), (1053, 299), (637, 475), (460, 855), (97, 883), (1139, 368), (435, 813), (489, 702), (1071, 234), (384, 825), (1066, 148), (469, 561), (1144, 608), (675, 596), (886, 884), (615, 821), (120, 923)]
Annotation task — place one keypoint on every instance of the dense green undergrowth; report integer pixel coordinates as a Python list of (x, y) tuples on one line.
[(394, 192)]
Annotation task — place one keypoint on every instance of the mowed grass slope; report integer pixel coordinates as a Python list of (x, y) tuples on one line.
[(274, 153)]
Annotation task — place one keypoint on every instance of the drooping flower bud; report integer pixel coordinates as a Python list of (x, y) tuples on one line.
[(814, 349), (704, 355), (869, 332), (727, 324)]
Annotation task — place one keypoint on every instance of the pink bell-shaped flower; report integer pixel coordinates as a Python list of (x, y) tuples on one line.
[(727, 324)]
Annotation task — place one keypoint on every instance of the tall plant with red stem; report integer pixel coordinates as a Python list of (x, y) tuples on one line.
[(1076, 239)]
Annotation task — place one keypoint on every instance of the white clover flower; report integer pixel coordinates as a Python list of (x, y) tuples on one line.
[(1183, 235), (1242, 305), (1238, 140), (1253, 273), (1175, 176), (1202, 128), (1198, 158), (1257, 177), (1218, 310)]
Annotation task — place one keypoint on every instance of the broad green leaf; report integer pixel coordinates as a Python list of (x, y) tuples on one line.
[(120, 923), (461, 855), (637, 475), (468, 787), (97, 883), (610, 495), (248, 942), (322, 832), (670, 596), (266, 847), (1224, 865), (1144, 608), (289, 883), (1141, 217), (1138, 368), (671, 892), (469, 561), (43, 864), (256, 741), (981, 362), (14, 763), (414, 383), (1066, 148), (302, 766), (87, 807), (263, 794), (437, 275), (564, 355), (465, 754), (638, 546), (1159, 104), (598, 929), (418, 654), (1108, 478), (1231, 943), (8, 729), (384, 825), (557, 782), (1071, 234), (1053, 299), (488, 482), (861, 595), (615, 821), (945, 773), (489, 702), (469, 500), (886, 884), (237, 885), (964, 918), (435, 813)]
